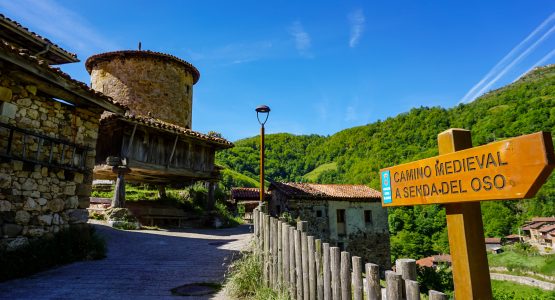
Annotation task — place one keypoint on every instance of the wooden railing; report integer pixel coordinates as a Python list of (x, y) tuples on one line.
[(309, 269), (25, 145)]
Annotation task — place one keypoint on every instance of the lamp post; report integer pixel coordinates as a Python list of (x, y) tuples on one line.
[(263, 110)]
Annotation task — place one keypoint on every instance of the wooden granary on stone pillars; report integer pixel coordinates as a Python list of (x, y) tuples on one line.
[(153, 142)]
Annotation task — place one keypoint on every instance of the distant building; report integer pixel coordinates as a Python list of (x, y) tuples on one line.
[(249, 198), (540, 231), (492, 243), (434, 261), (348, 216)]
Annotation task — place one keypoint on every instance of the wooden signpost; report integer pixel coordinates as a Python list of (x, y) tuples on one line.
[(460, 177)]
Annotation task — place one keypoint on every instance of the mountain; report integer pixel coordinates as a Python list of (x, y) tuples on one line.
[(355, 155)]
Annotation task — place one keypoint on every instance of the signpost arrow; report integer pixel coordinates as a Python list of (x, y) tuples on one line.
[(460, 177)]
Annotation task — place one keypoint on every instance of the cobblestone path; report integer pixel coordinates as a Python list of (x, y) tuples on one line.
[(139, 265)]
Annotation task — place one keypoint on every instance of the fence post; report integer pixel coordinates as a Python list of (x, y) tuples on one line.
[(412, 289), (326, 272), (345, 275), (267, 249), (292, 256), (319, 274), (435, 295), (255, 222), (298, 264), (285, 253), (373, 287), (279, 254), (357, 278), (394, 285), (275, 241), (311, 268), (335, 268), (302, 226), (304, 249)]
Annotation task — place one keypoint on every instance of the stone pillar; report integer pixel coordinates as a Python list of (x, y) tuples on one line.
[(119, 193), (211, 201)]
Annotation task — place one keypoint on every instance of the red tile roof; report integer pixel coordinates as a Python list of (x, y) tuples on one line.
[(326, 191), (513, 236), (242, 193), (20, 53), (93, 60), (543, 219), (533, 225), (430, 260), (547, 228), (155, 123), (15, 29), (493, 240)]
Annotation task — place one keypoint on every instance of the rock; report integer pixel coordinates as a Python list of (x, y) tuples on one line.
[(56, 219), (35, 232), (5, 181), (84, 202), (78, 178), (17, 165), (45, 219), (72, 202), (84, 189), (29, 185), (42, 201), (5, 94), (78, 216), (31, 89), (44, 172), (70, 189), (22, 217), (12, 230), (56, 205), (17, 243), (5, 205), (31, 205)]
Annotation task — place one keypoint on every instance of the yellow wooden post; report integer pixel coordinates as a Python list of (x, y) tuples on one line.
[(466, 233)]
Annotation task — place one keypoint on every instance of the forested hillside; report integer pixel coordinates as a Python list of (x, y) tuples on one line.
[(356, 154)]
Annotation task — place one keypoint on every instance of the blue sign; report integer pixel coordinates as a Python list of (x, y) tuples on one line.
[(386, 187)]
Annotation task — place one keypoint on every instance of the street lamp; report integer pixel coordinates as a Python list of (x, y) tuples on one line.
[(263, 110)]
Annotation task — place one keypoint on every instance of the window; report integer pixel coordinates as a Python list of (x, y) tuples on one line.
[(340, 216), (341, 246), (319, 213), (368, 216)]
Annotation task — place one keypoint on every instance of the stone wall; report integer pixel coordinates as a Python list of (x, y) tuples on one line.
[(37, 200), (147, 85)]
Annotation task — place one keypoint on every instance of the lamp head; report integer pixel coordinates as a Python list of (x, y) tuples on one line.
[(262, 109)]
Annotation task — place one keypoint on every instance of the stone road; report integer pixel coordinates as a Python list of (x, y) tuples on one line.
[(139, 265)]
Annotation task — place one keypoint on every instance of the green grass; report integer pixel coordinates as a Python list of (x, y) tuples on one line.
[(234, 178), (313, 175), (518, 261), (505, 290)]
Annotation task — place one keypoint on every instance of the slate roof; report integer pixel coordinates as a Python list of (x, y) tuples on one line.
[(242, 193), (349, 192), (14, 32), (547, 228), (95, 59), (430, 260), (155, 123), (23, 54), (533, 225), (543, 219)]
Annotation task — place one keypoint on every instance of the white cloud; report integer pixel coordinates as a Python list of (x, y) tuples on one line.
[(57, 23), (356, 22), (301, 37), (515, 56)]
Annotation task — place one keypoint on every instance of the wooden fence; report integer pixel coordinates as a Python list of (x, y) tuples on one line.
[(309, 269)]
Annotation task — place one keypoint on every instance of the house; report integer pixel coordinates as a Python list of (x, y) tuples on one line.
[(512, 238), (154, 143), (348, 216), (493, 243), (539, 231), (249, 198), (48, 132), (434, 261)]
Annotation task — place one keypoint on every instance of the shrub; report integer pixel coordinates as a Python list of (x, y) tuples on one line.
[(69, 245)]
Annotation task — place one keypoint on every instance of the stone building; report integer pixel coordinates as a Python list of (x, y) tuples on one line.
[(348, 216), (48, 132), (154, 142)]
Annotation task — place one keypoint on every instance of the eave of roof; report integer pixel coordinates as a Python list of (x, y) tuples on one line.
[(107, 56), (22, 36), (158, 124), (56, 77), (345, 192)]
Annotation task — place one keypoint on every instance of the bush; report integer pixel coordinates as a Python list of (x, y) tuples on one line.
[(439, 279), (73, 244)]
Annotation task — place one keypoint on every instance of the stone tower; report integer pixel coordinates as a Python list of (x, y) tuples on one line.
[(150, 83)]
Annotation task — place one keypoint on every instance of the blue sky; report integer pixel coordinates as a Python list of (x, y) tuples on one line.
[(322, 66)]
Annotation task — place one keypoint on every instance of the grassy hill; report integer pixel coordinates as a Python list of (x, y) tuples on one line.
[(355, 155)]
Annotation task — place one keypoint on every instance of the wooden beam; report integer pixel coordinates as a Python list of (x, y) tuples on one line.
[(173, 151)]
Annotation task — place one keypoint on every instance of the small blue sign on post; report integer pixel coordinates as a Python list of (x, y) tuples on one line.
[(386, 186)]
